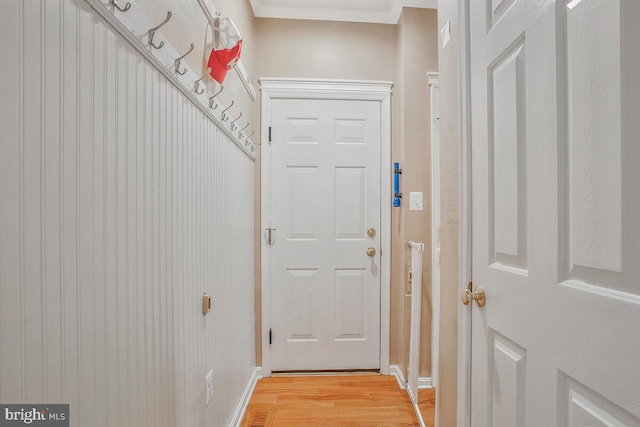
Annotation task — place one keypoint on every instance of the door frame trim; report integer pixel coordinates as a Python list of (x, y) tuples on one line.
[(465, 250), (291, 88), (433, 80)]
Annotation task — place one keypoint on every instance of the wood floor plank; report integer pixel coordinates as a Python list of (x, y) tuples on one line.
[(427, 405), (331, 401)]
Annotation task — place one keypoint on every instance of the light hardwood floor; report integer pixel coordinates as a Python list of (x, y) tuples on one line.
[(427, 405), (331, 401)]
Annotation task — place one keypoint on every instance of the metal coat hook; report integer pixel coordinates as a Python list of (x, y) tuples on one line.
[(233, 122), (196, 84), (245, 126), (121, 9), (251, 134), (183, 72), (212, 103), (152, 32), (225, 117)]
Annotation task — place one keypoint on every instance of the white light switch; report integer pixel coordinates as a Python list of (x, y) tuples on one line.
[(415, 201)]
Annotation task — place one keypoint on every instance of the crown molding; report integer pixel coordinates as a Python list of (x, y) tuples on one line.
[(388, 15)]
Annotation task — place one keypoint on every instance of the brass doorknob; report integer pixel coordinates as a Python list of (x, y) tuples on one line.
[(371, 252), (371, 232), (478, 296)]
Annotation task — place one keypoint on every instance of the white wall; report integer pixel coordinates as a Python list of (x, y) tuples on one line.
[(120, 204)]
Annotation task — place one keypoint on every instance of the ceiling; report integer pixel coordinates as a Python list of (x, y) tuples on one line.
[(374, 11)]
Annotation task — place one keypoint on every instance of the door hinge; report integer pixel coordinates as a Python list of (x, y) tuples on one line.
[(270, 337), (269, 133)]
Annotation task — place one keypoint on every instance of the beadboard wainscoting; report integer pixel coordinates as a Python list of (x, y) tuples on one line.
[(121, 203)]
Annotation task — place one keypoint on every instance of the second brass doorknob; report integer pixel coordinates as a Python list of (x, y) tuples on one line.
[(371, 252)]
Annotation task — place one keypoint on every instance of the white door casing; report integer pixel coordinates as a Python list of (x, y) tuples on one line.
[(323, 187), (555, 130), (434, 83)]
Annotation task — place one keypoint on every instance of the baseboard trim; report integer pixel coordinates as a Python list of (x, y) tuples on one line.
[(397, 373), (246, 397), (425, 382)]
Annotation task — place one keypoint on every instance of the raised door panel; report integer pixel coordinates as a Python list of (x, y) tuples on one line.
[(350, 299), (508, 378), (599, 146), (507, 158), (301, 293), (581, 406), (350, 203), (303, 218)]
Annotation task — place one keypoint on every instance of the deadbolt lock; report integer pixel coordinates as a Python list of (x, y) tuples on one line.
[(371, 232), (478, 296), (371, 252)]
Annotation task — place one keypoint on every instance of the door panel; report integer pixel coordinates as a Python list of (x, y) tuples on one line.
[(325, 194), (555, 134), (507, 155)]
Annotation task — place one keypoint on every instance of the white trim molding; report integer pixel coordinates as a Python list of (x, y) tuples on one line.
[(433, 80), (396, 372), (465, 212), (385, 12), (286, 88), (236, 420), (425, 383)]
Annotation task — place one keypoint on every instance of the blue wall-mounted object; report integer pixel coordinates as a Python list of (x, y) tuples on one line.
[(397, 195)]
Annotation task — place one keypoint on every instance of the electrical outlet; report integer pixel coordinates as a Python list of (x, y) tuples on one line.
[(208, 387)]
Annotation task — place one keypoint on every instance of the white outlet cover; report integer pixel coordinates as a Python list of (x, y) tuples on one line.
[(415, 201), (208, 387)]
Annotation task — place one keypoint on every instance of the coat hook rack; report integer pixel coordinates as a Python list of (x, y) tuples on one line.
[(152, 32), (196, 84), (121, 9), (225, 116), (213, 104), (183, 72), (233, 122)]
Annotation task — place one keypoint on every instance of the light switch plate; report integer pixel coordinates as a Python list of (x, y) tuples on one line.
[(208, 387), (415, 201)]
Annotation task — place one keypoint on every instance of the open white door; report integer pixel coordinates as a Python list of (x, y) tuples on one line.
[(556, 207)]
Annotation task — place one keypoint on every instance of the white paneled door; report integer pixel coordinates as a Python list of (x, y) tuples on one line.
[(556, 203), (325, 197)]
